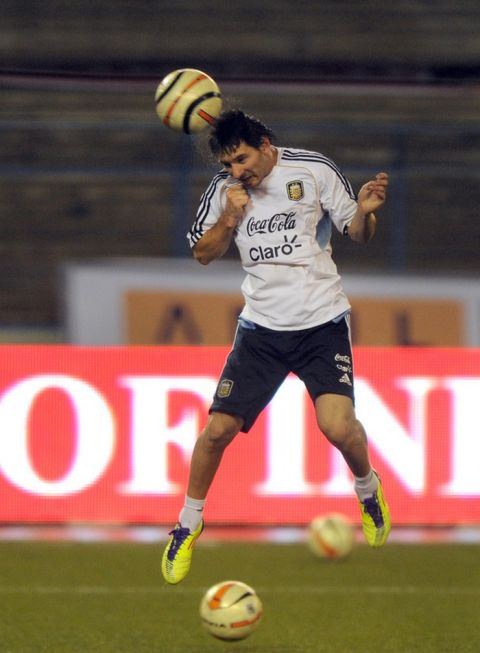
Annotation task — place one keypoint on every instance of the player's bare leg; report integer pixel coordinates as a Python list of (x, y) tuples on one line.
[(206, 457), (337, 420), (208, 451)]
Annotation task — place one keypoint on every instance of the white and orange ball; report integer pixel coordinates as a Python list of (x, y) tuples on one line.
[(231, 610), (188, 100), (331, 536)]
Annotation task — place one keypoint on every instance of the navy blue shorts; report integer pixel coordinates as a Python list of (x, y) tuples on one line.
[(262, 358)]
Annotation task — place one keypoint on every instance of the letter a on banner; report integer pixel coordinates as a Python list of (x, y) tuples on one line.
[(178, 318)]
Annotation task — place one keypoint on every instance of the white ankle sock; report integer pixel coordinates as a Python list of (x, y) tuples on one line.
[(191, 513), (366, 486)]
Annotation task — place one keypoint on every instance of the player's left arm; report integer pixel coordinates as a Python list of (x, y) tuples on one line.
[(371, 197)]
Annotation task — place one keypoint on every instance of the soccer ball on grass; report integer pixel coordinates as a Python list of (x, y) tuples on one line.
[(331, 536), (231, 610)]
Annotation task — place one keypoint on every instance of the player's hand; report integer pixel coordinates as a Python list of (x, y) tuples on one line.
[(373, 194), (237, 199)]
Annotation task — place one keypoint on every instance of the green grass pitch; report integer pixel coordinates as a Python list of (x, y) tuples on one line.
[(65, 597)]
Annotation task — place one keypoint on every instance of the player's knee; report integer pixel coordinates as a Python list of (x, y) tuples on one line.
[(216, 440), (343, 433), (219, 432)]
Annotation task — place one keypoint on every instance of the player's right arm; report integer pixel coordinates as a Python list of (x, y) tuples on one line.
[(216, 240)]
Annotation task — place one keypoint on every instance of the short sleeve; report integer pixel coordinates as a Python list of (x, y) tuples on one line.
[(337, 196), (209, 209)]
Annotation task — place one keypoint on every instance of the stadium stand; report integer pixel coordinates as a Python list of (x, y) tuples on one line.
[(88, 171), (269, 37)]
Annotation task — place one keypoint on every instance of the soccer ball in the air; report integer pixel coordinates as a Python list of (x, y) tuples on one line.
[(188, 100), (231, 610), (331, 536)]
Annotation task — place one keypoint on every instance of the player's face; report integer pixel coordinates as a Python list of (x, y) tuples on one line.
[(250, 165)]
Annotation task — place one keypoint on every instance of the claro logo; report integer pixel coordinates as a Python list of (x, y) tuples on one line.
[(266, 253)]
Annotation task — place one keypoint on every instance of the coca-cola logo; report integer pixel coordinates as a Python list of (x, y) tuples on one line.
[(278, 222)]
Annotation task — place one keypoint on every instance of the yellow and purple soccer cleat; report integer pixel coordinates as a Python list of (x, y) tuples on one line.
[(177, 557), (375, 518)]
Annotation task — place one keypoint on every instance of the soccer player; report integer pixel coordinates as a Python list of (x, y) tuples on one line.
[(278, 205)]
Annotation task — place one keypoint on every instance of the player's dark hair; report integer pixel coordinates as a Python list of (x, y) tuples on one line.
[(234, 127)]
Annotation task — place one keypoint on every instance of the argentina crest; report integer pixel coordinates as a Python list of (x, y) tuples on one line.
[(295, 190), (224, 388)]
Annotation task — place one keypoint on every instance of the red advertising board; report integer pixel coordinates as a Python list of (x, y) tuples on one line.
[(105, 435)]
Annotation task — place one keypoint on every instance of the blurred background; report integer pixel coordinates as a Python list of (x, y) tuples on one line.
[(96, 199), (94, 187)]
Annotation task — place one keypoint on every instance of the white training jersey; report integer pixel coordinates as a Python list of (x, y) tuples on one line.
[(284, 239)]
